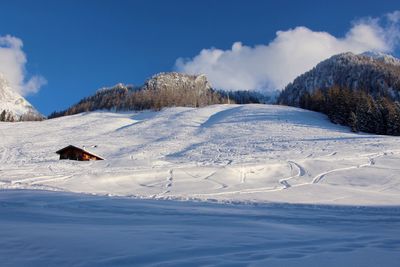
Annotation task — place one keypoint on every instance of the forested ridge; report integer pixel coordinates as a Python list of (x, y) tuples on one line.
[(359, 91), (355, 108), (162, 90)]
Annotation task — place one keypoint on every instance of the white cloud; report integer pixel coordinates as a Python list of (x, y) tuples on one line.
[(12, 65), (272, 66)]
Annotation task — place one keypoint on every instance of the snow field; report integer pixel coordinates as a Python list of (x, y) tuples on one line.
[(247, 153), (42, 228)]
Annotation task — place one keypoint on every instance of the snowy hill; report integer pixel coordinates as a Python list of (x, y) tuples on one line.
[(14, 106), (220, 152)]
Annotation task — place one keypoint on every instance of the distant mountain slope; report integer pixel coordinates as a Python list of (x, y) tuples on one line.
[(361, 91), (161, 90), (377, 74), (13, 107)]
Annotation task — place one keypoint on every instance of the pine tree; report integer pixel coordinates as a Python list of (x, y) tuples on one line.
[(353, 122), (393, 119), (3, 116)]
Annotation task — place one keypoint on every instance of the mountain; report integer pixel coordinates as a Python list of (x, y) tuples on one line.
[(385, 58), (178, 81), (13, 107), (361, 91), (161, 90), (376, 73), (247, 97)]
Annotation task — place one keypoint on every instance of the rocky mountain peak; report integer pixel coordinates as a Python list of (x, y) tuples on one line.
[(13, 106), (117, 87), (175, 80)]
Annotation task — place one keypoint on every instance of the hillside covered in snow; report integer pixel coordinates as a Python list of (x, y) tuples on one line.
[(249, 153)]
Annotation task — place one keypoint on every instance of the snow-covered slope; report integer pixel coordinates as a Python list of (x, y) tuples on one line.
[(221, 152), (14, 104)]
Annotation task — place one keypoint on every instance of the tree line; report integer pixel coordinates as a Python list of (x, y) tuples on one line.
[(8, 116), (129, 98), (355, 108), (245, 97)]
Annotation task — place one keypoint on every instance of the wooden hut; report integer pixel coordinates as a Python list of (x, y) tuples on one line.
[(75, 153)]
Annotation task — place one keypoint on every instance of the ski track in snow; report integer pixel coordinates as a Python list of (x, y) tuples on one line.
[(371, 161), (300, 172), (168, 183), (222, 152)]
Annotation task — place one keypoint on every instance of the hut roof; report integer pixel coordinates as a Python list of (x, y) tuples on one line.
[(78, 148)]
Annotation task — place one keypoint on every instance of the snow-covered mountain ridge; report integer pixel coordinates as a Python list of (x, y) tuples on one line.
[(360, 91), (164, 89), (256, 153), (376, 73), (13, 105), (385, 58), (176, 80)]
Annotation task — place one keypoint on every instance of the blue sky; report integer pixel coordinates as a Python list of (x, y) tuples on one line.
[(80, 46)]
